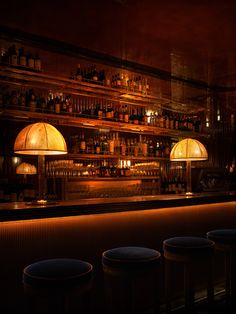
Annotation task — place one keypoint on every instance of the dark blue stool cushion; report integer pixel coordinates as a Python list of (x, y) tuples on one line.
[(130, 257), (191, 246), (223, 236), (57, 272)]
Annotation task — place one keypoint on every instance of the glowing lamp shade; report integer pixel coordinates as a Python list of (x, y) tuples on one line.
[(40, 139), (188, 150), (26, 168)]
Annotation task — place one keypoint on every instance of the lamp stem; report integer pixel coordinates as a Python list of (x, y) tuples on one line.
[(188, 176), (41, 176)]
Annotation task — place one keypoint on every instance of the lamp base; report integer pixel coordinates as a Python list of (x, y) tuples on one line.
[(41, 202)]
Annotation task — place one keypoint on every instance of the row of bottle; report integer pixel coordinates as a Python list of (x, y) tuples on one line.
[(96, 108), (114, 144), (101, 168), (20, 57), (118, 80), (173, 185)]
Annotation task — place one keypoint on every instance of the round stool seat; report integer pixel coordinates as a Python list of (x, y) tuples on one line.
[(194, 253), (132, 279), (225, 240), (130, 257), (183, 248), (223, 236), (57, 273)]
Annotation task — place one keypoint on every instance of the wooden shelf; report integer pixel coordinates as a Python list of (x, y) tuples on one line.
[(31, 78)]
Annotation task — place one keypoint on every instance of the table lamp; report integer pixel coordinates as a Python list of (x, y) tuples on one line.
[(26, 168), (40, 139), (188, 150)]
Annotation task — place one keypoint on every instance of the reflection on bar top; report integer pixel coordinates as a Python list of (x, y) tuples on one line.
[(118, 200)]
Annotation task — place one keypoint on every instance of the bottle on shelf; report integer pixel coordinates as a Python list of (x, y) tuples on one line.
[(78, 73), (22, 57), (13, 56), (30, 60), (37, 62)]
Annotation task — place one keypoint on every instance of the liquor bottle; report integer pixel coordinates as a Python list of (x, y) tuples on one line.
[(135, 117), (167, 121), (14, 99), (116, 114), (161, 121), (146, 118), (82, 144), (136, 148), (109, 112), (94, 74), (121, 114), (151, 151), (117, 144), (100, 112), (102, 77), (126, 114), (158, 149), (50, 102), (144, 147), (22, 99), (112, 145), (78, 74), (37, 62), (171, 121), (13, 57), (123, 147), (57, 105), (118, 81), (22, 57), (97, 146), (30, 60), (32, 100)]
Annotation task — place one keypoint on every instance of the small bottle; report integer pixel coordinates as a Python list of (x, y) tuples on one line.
[(37, 62), (13, 57), (32, 100), (78, 74), (22, 57), (30, 60), (82, 144)]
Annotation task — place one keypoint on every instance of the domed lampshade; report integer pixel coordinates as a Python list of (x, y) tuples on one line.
[(188, 149), (40, 139), (26, 168)]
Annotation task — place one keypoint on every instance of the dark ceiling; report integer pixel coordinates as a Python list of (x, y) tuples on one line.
[(198, 35)]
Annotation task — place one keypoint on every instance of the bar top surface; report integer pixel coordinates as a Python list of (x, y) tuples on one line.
[(21, 211)]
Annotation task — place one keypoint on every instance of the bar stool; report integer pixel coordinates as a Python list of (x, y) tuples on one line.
[(190, 251), (225, 240), (132, 280), (58, 285)]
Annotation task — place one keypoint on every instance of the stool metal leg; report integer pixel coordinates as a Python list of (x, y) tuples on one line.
[(210, 286), (167, 270), (227, 275), (188, 287), (233, 278)]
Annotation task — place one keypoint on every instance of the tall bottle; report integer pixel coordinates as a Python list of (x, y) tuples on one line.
[(82, 144), (22, 57), (37, 62), (13, 57), (78, 74)]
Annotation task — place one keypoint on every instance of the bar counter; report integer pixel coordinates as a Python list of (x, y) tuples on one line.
[(84, 229), (22, 210)]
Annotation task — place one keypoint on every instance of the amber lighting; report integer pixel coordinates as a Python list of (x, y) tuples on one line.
[(26, 168), (40, 139), (188, 150)]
